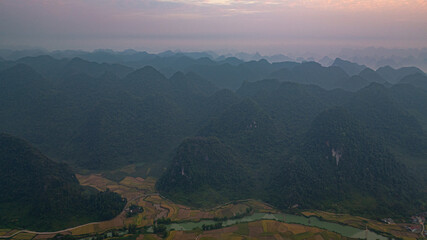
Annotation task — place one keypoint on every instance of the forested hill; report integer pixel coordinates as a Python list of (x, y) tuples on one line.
[(256, 117), (358, 153), (40, 194), (345, 168), (101, 116)]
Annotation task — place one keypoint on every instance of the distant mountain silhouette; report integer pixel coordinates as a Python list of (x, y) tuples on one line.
[(371, 76), (395, 75), (350, 68), (313, 73), (230, 60)]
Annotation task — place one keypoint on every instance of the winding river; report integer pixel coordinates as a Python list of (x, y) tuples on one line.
[(346, 231)]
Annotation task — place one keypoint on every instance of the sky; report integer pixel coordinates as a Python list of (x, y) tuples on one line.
[(270, 26)]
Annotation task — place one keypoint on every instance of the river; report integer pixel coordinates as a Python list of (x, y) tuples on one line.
[(346, 231)]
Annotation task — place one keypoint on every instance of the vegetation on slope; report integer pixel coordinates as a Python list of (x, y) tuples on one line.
[(40, 194), (104, 116)]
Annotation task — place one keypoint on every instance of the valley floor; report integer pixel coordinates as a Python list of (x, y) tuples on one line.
[(141, 192)]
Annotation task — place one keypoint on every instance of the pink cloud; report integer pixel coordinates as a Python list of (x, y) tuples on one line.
[(215, 23)]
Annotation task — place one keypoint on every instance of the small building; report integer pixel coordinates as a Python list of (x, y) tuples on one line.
[(387, 220), (133, 210), (414, 229)]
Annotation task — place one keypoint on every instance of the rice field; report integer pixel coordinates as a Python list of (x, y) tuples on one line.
[(5, 231), (24, 236), (264, 229), (397, 230), (142, 193)]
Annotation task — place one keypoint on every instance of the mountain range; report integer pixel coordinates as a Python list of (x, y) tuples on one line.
[(345, 138)]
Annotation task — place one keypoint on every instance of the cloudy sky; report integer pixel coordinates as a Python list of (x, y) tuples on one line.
[(269, 26)]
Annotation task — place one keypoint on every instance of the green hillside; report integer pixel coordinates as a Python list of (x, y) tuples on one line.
[(43, 195), (302, 145), (204, 168), (346, 168), (263, 126)]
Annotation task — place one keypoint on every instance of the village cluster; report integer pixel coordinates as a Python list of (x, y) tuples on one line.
[(417, 225)]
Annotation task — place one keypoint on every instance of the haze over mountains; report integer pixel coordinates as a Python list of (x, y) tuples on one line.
[(371, 57), (342, 137)]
